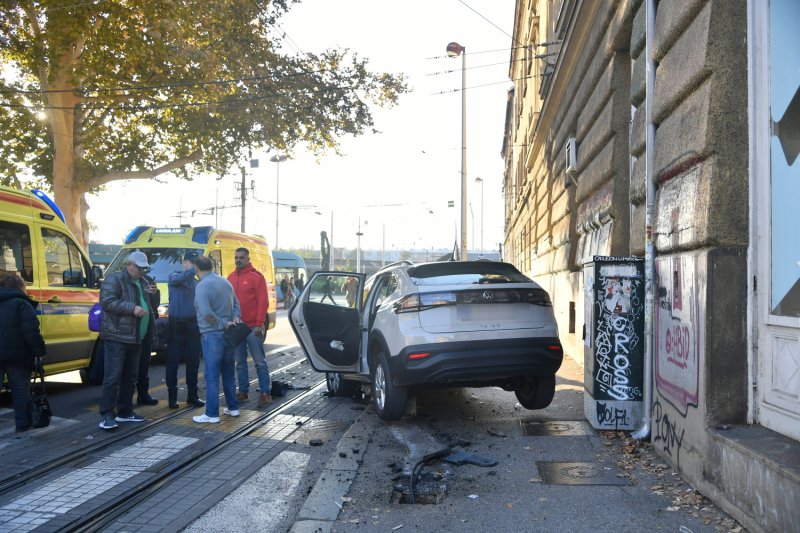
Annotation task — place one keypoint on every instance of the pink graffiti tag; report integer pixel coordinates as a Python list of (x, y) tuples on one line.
[(677, 343)]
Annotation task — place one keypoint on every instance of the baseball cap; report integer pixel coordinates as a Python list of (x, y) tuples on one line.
[(138, 259), (190, 256)]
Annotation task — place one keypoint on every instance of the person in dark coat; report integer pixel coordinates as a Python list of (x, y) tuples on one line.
[(127, 316), (184, 335), (22, 342)]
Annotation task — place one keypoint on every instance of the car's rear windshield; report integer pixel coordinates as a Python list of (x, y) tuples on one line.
[(163, 261), (472, 273)]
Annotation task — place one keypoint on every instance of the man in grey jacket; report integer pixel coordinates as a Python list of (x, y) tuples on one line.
[(217, 308), (127, 315)]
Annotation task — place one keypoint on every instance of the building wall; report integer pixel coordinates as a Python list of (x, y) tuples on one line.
[(555, 223)]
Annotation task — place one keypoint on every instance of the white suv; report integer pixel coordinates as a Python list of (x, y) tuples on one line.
[(447, 324)]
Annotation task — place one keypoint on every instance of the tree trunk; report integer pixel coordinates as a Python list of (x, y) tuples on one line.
[(66, 189)]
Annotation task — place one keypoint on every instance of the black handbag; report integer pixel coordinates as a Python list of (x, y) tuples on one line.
[(41, 407), (236, 334)]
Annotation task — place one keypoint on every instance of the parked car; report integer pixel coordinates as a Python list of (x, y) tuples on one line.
[(419, 326)]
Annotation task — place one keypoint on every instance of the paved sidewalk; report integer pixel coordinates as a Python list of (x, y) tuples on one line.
[(573, 479)]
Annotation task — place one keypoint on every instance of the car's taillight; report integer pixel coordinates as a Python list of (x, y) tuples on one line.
[(537, 297), (418, 355), (421, 302)]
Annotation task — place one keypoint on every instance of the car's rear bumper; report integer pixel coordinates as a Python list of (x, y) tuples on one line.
[(476, 363)]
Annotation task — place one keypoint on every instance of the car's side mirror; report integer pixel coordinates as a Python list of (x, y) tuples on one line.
[(97, 276)]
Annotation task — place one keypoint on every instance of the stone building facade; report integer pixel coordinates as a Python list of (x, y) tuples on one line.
[(726, 105)]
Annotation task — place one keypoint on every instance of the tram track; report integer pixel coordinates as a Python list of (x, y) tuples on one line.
[(19, 479), (107, 513)]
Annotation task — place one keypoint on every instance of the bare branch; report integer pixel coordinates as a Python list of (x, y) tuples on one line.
[(197, 155)]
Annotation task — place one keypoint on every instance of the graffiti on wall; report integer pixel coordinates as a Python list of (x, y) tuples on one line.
[(611, 415), (676, 332), (617, 343), (666, 433)]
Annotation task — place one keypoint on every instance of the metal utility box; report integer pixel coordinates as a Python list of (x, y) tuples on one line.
[(613, 342)]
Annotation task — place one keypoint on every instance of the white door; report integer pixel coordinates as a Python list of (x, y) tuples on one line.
[(775, 176), (327, 321)]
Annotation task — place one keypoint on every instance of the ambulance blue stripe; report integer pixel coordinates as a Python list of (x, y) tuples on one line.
[(63, 309)]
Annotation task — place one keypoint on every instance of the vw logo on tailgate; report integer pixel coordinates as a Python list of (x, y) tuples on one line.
[(488, 296)]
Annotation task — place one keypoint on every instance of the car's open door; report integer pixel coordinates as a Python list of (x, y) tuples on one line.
[(327, 320)]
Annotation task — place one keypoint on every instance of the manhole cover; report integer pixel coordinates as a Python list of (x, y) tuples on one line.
[(554, 473), (555, 429)]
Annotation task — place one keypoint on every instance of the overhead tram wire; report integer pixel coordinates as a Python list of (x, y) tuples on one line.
[(487, 85), (220, 103), (470, 68), (496, 50), (492, 23), (166, 85)]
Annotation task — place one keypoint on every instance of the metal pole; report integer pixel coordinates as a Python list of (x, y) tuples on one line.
[(643, 433), (464, 256), (472, 218), (481, 217), (277, 199), (358, 247), (244, 195)]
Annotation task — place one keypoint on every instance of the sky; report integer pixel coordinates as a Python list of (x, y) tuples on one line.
[(397, 182)]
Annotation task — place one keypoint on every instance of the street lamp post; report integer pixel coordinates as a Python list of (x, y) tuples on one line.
[(480, 180), (278, 159), (454, 50), (358, 246)]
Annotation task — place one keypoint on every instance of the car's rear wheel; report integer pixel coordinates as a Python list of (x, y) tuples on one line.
[(389, 400), (536, 393), (337, 385)]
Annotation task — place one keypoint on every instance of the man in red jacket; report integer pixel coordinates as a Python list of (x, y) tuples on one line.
[(251, 291)]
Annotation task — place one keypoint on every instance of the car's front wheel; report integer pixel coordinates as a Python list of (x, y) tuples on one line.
[(337, 385), (389, 400), (536, 393)]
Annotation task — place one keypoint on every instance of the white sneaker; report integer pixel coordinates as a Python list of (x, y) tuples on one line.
[(231, 412), (205, 419)]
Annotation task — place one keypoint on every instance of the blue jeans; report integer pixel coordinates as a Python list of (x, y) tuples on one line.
[(19, 381), (255, 345), (120, 368), (218, 359)]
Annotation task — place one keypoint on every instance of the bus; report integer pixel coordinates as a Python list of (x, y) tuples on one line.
[(289, 264)]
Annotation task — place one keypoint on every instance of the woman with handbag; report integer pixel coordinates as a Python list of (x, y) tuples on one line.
[(22, 344)]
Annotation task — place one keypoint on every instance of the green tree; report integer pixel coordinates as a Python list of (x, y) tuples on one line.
[(98, 91)]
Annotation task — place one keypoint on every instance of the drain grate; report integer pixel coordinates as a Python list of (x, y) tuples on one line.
[(554, 473), (327, 425), (124, 463), (555, 429)]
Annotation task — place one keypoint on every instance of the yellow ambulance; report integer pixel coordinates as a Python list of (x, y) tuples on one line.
[(36, 244), (165, 248)]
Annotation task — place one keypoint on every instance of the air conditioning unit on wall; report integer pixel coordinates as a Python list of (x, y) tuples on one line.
[(571, 155)]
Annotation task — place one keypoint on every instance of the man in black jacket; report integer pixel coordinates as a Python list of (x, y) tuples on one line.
[(127, 316)]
